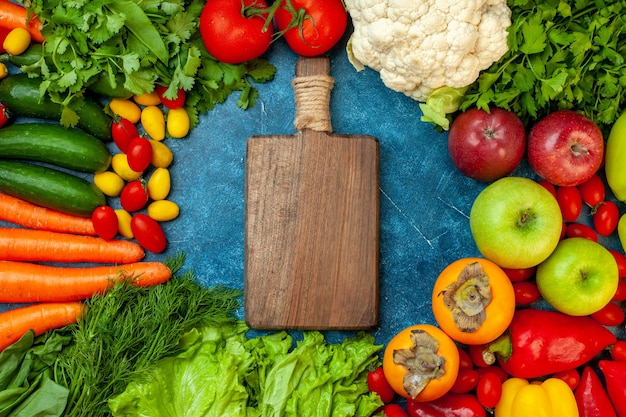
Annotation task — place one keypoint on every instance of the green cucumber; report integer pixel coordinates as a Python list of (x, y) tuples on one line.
[(65, 147), (20, 94), (50, 188)]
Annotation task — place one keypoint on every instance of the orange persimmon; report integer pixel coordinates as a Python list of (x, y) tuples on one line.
[(473, 301), (426, 352)]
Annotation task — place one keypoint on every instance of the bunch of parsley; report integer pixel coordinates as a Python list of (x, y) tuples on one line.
[(562, 55), (140, 44)]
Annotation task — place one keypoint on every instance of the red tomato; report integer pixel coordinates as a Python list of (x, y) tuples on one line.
[(548, 186), (496, 369), (139, 154), (377, 383), (516, 275), (230, 35), (174, 103), (394, 410), (489, 389), (570, 202), (620, 258), (581, 230), (618, 351), (592, 191), (571, 377), (620, 294), (313, 27), (465, 361), (605, 218), (5, 116), (526, 292), (148, 233), (476, 352), (611, 314), (466, 381), (105, 222), (134, 196), (123, 131)]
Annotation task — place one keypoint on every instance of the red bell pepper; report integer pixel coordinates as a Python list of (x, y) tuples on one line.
[(591, 397), (543, 342), (450, 405), (615, 379)]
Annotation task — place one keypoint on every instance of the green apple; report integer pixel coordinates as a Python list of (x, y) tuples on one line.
[(579, 277), (516, 222)]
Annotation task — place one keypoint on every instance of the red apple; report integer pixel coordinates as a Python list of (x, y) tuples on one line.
[(565, 148), (485, 145)]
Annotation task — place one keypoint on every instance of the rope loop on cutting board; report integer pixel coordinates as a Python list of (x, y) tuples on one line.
[(312, 95)]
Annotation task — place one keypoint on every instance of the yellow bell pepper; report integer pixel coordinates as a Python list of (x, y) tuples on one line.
[(550, 398)]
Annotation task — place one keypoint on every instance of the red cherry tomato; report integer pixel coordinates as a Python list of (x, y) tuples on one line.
[(620, 294), (581, 230), (605, 218), (105, 222), (570, 202), (489, 389), (5, 115), (134, 196), (377, 383), (476, 352), (123, 131), (466, 380), (516, 275), (571, 377), (496, 369), (313, 27), (394, 410), (592, 191), (171, 103), (618, 351), (139, 154), (148, 233), (548, 186), (526, 292), (230, 35), (465, 361), (611, 314), (620, 258)]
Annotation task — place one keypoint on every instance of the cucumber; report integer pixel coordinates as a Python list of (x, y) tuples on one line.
[(20, 94), (50, 188), (65, 147)]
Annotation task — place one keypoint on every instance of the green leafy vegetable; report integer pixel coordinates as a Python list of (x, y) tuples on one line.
[(562, 55)]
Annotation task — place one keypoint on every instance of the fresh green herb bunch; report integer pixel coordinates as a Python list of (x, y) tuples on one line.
[(138, 44), (562, 55)]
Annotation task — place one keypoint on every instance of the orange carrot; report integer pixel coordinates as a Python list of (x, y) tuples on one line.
[(23, 213), (14, 15), (37, 317), (17, 244), (22, 282)]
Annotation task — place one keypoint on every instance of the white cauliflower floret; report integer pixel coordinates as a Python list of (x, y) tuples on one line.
[(420, 46)]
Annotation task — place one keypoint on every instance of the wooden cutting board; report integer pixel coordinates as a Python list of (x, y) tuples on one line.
[(312, 219)]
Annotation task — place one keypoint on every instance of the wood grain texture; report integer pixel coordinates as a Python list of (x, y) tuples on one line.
[(311, 230)]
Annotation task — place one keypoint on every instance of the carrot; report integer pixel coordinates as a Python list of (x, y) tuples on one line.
[(22, 282), (37, 317), (17, 244), (14, 15), (23, 213)]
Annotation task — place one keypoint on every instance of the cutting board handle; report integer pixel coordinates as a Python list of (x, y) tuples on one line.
[(312, 86)]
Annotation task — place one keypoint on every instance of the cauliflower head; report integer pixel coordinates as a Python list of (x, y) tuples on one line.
[(419, 46)]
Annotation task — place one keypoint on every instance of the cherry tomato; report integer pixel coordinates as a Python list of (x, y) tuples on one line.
[(620, 294), (171, 103), (548, 186), (312, 27), (489, 389), (377, 383), (466, 380), (620, 258), (571, 377), (526, 292), (476, 352), (592, 191), (496, 369), (465, 361), (570, 202), (394, 410), (230, 34), (139, 153), (611, 314), (5, 116), (516, 275), (581, 230), (105, 222), (605, 218), (618, 351), (123, 131), (148, 233), (134, 196)]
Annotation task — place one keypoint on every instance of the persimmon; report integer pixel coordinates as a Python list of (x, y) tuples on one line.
[(473, 301), (421, 362)]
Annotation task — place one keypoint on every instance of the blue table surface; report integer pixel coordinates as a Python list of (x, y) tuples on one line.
[(424, 201)]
